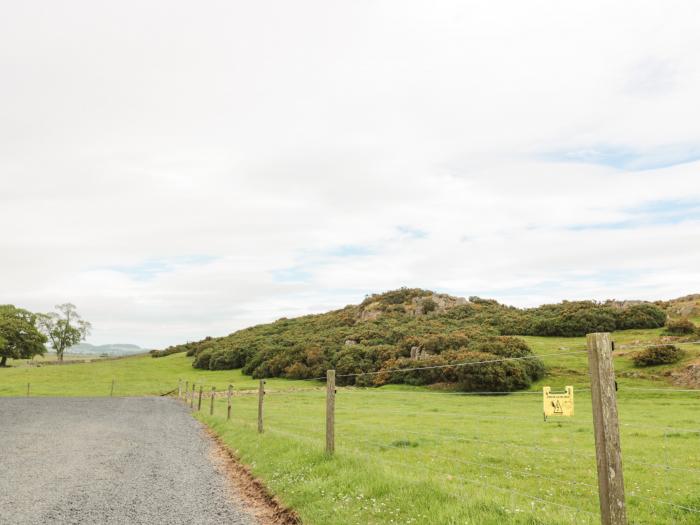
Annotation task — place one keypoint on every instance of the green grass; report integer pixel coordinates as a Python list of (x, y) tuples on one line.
[(133, 376), (411, 456), (415, 455)]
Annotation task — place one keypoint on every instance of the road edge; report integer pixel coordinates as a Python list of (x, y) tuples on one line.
[(265, 506)]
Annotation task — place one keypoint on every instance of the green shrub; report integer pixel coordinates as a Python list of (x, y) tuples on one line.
[(659, 355), (680, 327), (505, 346), (503, 376), (428, 305), (489, 373), (361, 359), (576, 319), (202, 359), (168, 351), (415, 371), (640, 316), (228, 359)]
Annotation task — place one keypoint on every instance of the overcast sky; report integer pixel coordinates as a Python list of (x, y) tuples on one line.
[(182, 169)]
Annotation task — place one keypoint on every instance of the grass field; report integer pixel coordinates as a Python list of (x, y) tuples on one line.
[(405, 456), (133, 376), (414, 455)]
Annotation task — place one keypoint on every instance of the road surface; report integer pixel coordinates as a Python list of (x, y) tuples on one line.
[(109, 461)]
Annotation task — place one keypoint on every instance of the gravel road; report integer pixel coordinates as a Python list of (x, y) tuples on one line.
[(109, 460)]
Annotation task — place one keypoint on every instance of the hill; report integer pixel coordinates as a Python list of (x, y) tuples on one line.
[(109, 349), (372, 342)]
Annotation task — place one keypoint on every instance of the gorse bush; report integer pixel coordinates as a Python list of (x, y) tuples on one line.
[(680, 327), (659, 355), (371, 343), (482, 366)]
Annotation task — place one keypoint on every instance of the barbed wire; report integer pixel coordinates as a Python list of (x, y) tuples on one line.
[(659, 466), (456, 365), (658, 500), (659, 427), (538, 420), (665, 390), (418, 392)]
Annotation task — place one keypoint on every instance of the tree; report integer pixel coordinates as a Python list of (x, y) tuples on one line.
[(64, 328), (19, 336)]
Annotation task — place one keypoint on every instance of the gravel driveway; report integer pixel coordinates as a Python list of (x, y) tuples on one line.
[(109, 460)]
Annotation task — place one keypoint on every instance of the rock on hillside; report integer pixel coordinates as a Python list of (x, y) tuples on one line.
[(412, 301), (687, 306)]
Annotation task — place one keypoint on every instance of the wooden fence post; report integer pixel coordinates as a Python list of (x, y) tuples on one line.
[(330, 411), (111, 390), (261, 395), (611, 488), (199, 401), (27, 389), (211, 403), (179, 388), (228, 401), (192, 396), (187, 391)]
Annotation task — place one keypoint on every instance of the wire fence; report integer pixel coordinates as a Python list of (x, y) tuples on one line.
[(485, 449)]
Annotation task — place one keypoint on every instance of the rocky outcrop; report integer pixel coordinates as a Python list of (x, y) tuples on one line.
[(417, 306), (621, 305), (418, 353), (441, 303), (688, 377)]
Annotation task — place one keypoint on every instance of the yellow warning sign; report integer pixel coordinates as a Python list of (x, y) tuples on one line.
[(558, 404)]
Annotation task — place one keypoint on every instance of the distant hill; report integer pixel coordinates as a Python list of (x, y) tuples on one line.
[(111, 349)]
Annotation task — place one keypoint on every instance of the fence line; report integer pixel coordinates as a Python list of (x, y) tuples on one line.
[(457, 365), (664, 502), (547, 450), (656, 345), (667, 467)]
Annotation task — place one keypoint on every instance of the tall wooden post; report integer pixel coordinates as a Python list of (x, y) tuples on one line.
[(179, 388), (611, 488), (111, 390), (261, 395), (192, 396), (211, 403), (199, 401), (228, 402), (330, 411), (28, 389), (187, 391)]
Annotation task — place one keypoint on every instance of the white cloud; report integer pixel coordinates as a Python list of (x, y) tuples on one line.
[(257, 160)]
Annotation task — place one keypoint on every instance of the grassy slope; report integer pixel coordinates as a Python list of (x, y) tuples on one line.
[(409, 455)]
